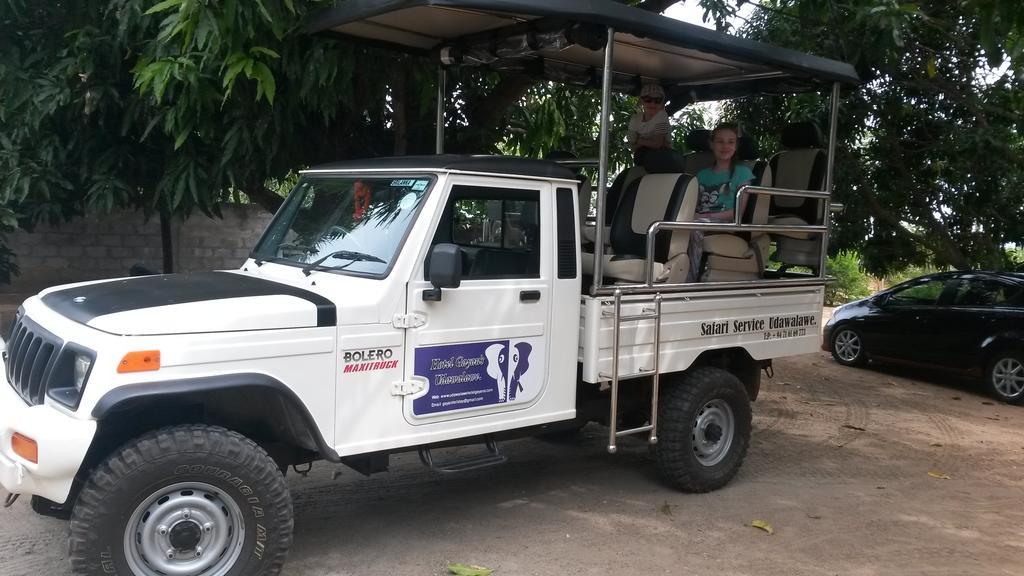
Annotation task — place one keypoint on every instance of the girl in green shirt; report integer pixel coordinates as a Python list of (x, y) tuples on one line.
[(718, 185)]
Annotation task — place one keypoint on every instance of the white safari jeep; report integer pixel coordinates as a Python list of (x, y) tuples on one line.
[(404, 304)]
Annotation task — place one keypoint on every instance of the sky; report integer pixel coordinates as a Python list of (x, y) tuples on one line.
[(690, 11)]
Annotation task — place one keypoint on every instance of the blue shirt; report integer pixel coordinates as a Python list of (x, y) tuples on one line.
[(718, 189)]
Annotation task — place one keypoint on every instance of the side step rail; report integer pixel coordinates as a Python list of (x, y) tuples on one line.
[(613, 419), (492, 458)]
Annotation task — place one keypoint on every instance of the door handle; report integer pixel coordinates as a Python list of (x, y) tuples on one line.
[(529, 295)]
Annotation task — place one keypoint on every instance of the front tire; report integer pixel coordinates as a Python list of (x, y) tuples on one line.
[(847, 347), (703, 430), (184, 500), (1005, 377)]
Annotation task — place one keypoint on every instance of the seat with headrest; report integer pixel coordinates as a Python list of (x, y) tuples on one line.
[(750, 156), (653, 198), (800, 166), (660, 160), (700, 155), (618, 188)]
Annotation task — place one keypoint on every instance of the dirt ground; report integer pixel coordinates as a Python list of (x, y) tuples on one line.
[(839, 466)]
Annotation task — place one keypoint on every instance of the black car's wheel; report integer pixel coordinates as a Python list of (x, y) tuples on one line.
[(184, 500), (703, 430), (1005, 376), (848, 347)]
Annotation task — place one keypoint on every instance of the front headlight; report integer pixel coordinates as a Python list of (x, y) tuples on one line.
[(82, 365)]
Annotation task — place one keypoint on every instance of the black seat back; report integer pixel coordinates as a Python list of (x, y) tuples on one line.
[(700, 155), (650, 199)]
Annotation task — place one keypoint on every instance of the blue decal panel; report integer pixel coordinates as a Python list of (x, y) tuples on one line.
[(477, 374)]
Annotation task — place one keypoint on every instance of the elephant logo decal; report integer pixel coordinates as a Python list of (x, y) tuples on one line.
[(519, 365), (517, 358), (495, 354)]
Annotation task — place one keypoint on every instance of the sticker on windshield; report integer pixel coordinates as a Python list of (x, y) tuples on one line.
[(420, 185), (479, 374), (402, 183), (408, 201)]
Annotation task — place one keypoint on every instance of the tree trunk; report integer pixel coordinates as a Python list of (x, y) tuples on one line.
[(166, 242)]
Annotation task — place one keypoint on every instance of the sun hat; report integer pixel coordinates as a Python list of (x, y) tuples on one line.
[(652, 91)]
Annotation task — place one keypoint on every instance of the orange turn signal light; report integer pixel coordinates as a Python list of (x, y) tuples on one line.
[(25, 447), (141, 361)]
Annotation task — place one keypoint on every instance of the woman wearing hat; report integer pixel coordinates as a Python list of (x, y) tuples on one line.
[(649, 128)]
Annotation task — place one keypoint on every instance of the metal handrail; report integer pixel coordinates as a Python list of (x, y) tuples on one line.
[(825, 195), (684, 287), (751, 189), (655, 227), (648, 285)]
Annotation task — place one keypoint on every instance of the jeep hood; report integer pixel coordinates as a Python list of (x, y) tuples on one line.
[(191, 303)]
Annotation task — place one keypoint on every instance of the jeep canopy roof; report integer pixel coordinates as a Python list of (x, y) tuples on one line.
[(564, 40), (451, 162)]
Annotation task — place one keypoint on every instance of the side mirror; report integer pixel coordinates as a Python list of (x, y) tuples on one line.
[(881, 299), (444, 270)]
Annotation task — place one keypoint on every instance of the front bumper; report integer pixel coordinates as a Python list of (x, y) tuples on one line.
[(62, 440)]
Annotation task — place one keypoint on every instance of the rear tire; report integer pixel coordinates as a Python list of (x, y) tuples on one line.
[(703, 430), (1004, 376), (847, 347), (189, 499)]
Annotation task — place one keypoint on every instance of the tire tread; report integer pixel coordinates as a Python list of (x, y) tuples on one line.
[(674, 457), (84, 533)]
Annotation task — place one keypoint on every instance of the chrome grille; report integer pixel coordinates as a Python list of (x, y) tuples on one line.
[(31, 355)]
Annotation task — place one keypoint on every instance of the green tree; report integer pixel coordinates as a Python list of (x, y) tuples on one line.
[(174, 106), (928, 166)]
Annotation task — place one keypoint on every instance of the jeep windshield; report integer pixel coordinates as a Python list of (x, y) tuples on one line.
[(342, 223)]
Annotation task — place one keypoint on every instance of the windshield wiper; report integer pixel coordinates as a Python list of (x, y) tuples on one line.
[(343, 255)]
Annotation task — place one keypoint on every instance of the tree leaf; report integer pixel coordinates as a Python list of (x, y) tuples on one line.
[(262, 50), (469, 570), (165, 5), (238, 63), (763, 525), (182, 136), (265, 79), (932, 69)]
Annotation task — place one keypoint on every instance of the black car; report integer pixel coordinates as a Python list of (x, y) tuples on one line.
[(970, 321)]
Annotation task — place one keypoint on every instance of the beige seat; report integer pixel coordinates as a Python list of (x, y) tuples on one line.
[(653, 198), (801, 166), (731, 257)]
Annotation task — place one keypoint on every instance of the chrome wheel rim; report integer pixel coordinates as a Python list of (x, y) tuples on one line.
[(1008, 377), (713, 432), (847, 345), (187, 529)]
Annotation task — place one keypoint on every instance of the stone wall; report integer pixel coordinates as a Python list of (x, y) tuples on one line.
[(107, 246)]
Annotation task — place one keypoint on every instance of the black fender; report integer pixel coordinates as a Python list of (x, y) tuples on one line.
[(242, 396), (737, 361)]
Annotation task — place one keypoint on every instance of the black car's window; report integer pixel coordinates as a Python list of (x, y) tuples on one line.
[(976, 292), (924, 294)]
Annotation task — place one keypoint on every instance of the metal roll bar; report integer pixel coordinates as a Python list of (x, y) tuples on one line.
[(602, 170)]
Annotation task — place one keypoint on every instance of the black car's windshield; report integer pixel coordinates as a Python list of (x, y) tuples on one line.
[(344, 223)]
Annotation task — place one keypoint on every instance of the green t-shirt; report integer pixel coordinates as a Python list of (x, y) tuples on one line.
[(718, 189)]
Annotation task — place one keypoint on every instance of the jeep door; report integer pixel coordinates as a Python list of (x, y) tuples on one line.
[(484, 346)]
